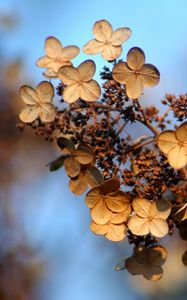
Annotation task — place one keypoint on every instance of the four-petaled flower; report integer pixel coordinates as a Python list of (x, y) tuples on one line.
[(149, 217), (79, 82), (147, 262), (174, 145), (135, 74), (39, 102), (107, 42), (56, 56)]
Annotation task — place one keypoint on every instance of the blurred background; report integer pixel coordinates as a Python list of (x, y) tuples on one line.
[(46, 248)]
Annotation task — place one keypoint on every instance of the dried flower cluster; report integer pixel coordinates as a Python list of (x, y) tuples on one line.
[(126, 180)]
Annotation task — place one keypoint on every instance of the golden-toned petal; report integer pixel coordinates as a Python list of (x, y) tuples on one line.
[(134, 86), (118, 218), (47, 112), (71, 93), (29, 113), (160, 209), (110, 186), (177, 157), (93, 196), (72, 166), (49, 73), (142, 207), (53, 47), (166, 141), (79, 184), (121, 72), (69, 52), (84, 154), (120, 36), (45, 92), (135, 58), (133, 266), (116, 202), (181, 133), (99, 229), (152, 273), (150, 75), (29, 95), (93, 47), (96, 175), (138, 226), (87, 70), (100, 213), (90, 91), (69, 75), (157, 255), (44, 62), (116, 233), (102, 30), (159, 227), (111, 52)]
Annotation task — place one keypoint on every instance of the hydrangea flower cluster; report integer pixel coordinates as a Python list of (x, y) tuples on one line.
[(126, 180)]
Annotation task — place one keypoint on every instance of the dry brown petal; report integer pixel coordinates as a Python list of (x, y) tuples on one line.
[(120, 35), (118, 201), (142, 207), (118, 218), (110, 186), (158, 228), (93, 47), (90, 91), (47, 112), (166, 141), (84, 154), (72, 166), (111, 52), (100, 213), (135, 58), (79, 184), (87, 70), (99, 229), (92, 196), (45, 92), (28, 95), (53, 47), (102, 30), (29, 113), (149, 75), (116, 233), (71, 93), (69, 75), (160, 209), (134, 86), (121, 72), (158, 254), (138, 226), (177, 157), (181, 133)]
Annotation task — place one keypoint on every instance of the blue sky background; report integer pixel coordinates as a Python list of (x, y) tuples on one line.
[(81, 264)]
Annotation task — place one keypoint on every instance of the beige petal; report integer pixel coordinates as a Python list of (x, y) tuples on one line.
[(72, 166), (118, 218), (135, 58), (152, 273), (45, 92), (71, 93), (157, 255), (79, 184), (90, 91), (45, 62), (138, 226), (166, 141), (133, 266), (111, 52), (159, 228), (121, 72), (181, 133), (87, 70), (93, 47), (120, 36), (102, 30), (134, 86), (150, 75), (100, 213), (160, 209), (47, 112), (69, 75), (84, 154), (49, 73), (69, 52), (29, 113), (53, 47), (142, 207), (93, 196), (177, 157), (29, 95), (99, 229), (116, 202), (116, 233)]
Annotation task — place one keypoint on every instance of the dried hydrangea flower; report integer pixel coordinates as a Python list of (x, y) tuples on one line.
[(56, 56), (79, 82), (147, 262), (115, 229), (39, 102), (149, 217), (135, 74), (105, 199), (107, 42), (174, 145)]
